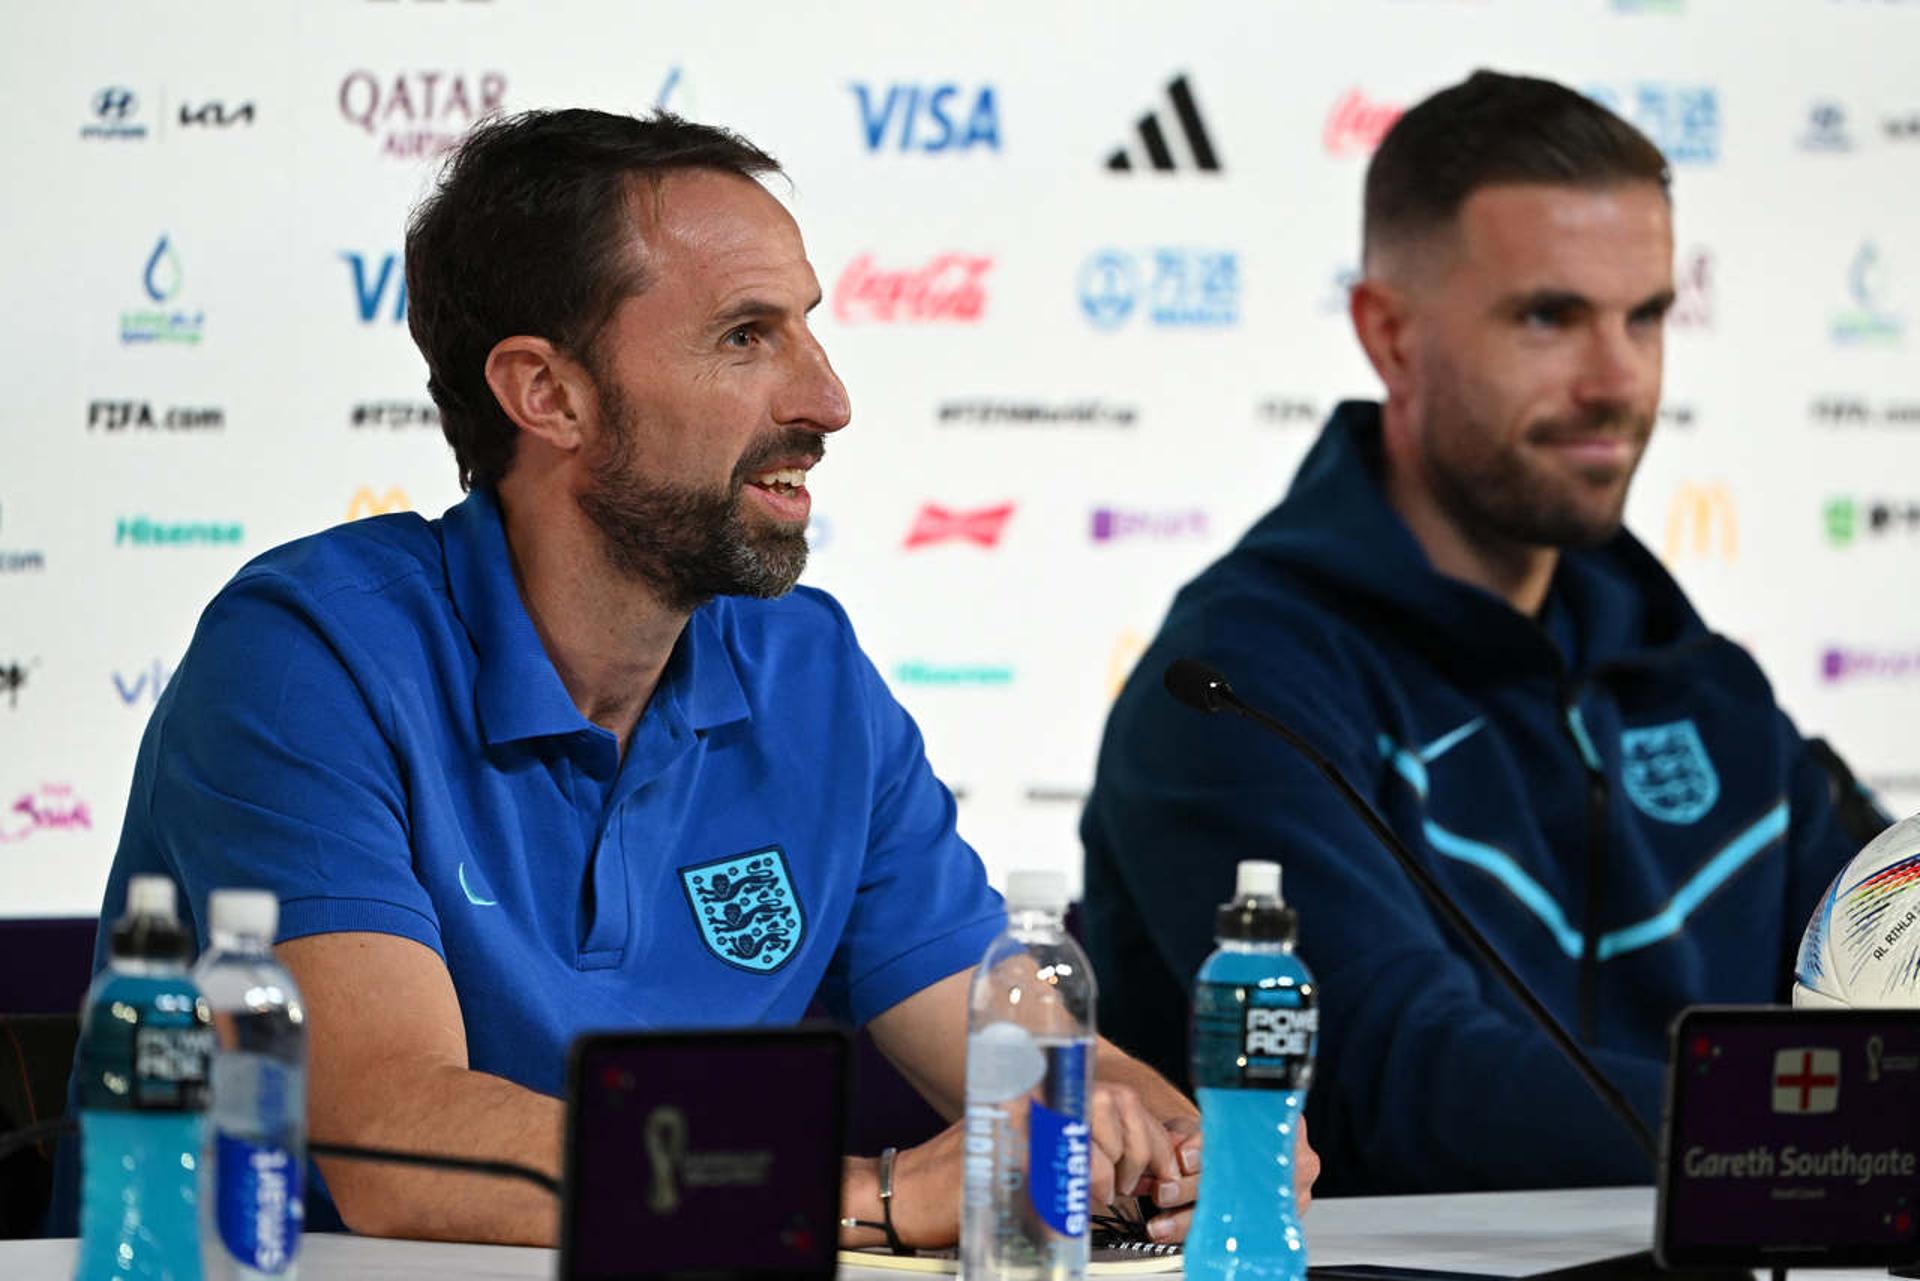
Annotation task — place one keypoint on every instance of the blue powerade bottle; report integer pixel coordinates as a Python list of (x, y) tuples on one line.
[(145, 1044), (1254, 1027)]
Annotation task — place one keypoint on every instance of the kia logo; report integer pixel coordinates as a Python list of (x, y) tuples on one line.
[(114, 104)]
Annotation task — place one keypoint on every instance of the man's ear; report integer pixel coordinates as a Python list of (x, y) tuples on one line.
[(1380, 320), (544, 391)]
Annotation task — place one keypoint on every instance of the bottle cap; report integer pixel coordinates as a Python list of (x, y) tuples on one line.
[(1032, 890), (1256, 914), (150, 930), (251, 912)]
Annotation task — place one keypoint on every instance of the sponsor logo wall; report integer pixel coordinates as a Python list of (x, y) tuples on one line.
[(1091, 315)]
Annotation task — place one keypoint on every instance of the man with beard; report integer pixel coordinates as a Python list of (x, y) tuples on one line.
[(1446, 604), (578, 755)]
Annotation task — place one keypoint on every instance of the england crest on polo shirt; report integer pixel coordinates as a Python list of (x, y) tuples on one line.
[(747, 909), (1668, 774)]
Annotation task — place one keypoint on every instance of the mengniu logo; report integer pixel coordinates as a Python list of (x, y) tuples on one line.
[(114, 116), (1167, 287), (13, 561), (366, 502), (144, 531), (416, 115), (1851, 520), (1702, 523), (1683, 120), (1871, 321), (162, 321), (376, 278), (1156, 134), (1357, 123), (944, 118), (981, 526), (951, 288), (51, 807)]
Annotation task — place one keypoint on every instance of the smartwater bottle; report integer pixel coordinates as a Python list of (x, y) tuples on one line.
[(1024, 1213), (258, 1116), (1254, 1027), (141, 1066)]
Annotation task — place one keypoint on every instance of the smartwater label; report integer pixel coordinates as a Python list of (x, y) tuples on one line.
[(1058, 1150), (259, 1201), (1253, 1037)]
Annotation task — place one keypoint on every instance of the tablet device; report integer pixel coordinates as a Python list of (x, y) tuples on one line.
[(704, 1154), (1792, 1139)]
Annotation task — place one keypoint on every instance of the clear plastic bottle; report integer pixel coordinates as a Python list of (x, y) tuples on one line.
[(258, 1147), (141, 1065), (1255, 1024), (1025, 1209)]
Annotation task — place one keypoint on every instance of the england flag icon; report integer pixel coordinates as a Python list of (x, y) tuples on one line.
[(1806, 1080)]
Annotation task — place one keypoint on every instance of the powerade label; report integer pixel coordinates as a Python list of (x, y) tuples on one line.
[(1058, 1148), (1254, 1037), (258, 1200), (170, 1066)]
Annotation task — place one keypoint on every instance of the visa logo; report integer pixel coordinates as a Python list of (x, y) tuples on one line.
[(373, 279), (937, 117), (143, 686)]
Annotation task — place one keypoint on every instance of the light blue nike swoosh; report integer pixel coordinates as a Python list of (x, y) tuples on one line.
[(473, 898), (1453, 738)]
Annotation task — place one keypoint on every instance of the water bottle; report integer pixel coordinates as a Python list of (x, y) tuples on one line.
[(1024, 1213), (258, 1116), (141, 1069), (1254, 1027)]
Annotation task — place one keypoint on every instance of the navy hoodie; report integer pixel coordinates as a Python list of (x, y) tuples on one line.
[(1610, 793)]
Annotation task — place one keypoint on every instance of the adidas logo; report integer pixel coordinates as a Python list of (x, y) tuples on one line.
[(1153, 138)]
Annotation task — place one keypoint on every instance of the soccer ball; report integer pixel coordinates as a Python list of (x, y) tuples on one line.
[(1862, 947)]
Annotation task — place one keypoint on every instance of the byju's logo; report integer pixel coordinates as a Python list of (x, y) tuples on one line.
[(1128, 524), (142, 687), (375, 281), (144, 531), (162, 322), (22, 562), (927, 117), (952, 289), (981, 526), (1702, 523), (1849, 663), (1173, 287), (115, 116), (1848, 520), (1357, 123), (1871, 321), (1155, 133), (419, 114), (1826, 128), (51, 807), (1682, 120)]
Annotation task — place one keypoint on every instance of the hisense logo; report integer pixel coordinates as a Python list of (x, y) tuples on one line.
[(144, 531)]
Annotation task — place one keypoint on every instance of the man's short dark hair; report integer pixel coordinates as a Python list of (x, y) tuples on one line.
[(1493, 129), (529, 231)]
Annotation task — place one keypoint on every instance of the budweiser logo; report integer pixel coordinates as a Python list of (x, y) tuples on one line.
[(981, 527), (1356, 124), (952, 288)]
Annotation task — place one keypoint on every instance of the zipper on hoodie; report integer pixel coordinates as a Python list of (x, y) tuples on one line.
[(1597, 796)]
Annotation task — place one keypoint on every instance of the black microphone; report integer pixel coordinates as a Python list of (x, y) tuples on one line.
[(1205, 689)]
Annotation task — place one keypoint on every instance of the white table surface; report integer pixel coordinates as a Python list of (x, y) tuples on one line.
[(1504, 1233)]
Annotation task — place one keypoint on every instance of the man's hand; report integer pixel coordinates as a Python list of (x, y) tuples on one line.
[(1176, 1215)]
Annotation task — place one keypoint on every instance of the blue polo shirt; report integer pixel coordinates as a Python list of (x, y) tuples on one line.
[(366, 723)]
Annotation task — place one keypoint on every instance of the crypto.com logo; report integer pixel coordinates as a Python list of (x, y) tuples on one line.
[(1703, 523)]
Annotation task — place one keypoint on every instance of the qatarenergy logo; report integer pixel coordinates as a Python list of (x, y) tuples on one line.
[(144, 531)]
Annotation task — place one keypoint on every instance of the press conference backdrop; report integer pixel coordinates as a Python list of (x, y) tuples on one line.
[(1084, 268)]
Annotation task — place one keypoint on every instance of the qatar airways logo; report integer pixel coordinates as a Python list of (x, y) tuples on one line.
[(1357, 124), (416, 115), (950, 289), (980, 526)]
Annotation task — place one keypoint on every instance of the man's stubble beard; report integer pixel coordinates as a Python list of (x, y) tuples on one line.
[(1486, 487), (686, 543)]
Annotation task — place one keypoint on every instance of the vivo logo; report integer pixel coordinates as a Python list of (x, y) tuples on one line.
[(144, 685)]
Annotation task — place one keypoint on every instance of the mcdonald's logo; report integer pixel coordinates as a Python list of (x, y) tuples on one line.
[(1703, 523), (367, 503)]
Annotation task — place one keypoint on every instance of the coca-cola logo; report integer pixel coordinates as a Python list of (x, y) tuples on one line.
[(1357, 123), (417, 114), (52, 807), (951, 288)]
